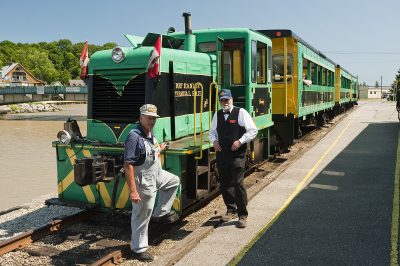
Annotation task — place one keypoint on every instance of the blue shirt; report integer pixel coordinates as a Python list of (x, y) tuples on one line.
[(135, 150)]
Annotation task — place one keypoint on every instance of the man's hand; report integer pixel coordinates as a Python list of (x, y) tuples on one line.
[(236, 145), (164, 146), (135, 197), (216, 146)]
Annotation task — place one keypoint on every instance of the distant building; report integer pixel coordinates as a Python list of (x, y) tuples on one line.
[(56, 83), (77, 83), (376, 93), (16, 75)]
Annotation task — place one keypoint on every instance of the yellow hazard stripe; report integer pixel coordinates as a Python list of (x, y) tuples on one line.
[(123, 198), (86, 153), (67, 181), (64, 184), (104, 194), (394, 254), (89, 194), (298, 189), (71, 155)]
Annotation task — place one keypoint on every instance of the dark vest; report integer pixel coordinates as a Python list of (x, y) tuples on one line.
[(229, 131)]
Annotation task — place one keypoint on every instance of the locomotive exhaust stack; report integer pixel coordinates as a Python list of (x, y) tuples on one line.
[(190, 39)]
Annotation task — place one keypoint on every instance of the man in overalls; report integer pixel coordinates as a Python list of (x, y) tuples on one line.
[(231, 129), (145, 176)]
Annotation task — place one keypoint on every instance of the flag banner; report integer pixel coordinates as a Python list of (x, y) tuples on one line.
[(154, 60), (84, 61)]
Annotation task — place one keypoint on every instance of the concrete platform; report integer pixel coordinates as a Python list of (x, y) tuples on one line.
[(332, 206)]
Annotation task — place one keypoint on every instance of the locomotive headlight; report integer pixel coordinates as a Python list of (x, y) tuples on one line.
[(118, 54), (64, 137)]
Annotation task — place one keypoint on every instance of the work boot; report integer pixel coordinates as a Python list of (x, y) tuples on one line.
[(228, 216), (242, 222), (168, 218), (143, 256)]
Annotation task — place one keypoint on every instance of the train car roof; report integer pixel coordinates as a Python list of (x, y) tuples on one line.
[(288, 33)]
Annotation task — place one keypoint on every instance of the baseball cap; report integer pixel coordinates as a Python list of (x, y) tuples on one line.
[(225, 94), (149, 109)]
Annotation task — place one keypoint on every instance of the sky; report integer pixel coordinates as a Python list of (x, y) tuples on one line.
[(362, 36)]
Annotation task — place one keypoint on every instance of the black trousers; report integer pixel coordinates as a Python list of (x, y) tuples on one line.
[(231, 171)]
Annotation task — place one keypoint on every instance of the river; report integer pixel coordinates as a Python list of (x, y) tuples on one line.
[(27, 159)]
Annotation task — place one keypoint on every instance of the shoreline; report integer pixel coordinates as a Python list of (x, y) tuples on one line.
[(35, 107)]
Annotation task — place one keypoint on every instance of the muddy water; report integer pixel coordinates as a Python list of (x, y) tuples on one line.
[(27, 159)]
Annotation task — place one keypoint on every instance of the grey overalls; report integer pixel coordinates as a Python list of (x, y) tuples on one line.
[(150, 178)]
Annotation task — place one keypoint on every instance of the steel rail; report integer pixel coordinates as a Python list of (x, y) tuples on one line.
[(30, 236)]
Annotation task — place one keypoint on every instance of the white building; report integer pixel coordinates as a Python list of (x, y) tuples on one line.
[(376, 93)]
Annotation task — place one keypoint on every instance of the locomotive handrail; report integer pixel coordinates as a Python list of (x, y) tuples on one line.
[(198, 85), (209, 100)]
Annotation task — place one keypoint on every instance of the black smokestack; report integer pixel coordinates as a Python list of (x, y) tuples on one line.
[(188, 22)]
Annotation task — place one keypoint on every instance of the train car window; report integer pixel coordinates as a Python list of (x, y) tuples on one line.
[(227, 69), (319, 75), (269, 66), (207, 47), (324, 77), (253, 61), (237, 67), (234, 62), (278, 68), (305, 69), (261, 62), (313, 72)]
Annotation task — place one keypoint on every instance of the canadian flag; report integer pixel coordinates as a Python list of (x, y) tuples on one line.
[(154, 60), (84, 61)]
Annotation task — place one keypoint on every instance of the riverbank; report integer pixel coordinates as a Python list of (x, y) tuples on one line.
[(69, 110), (35, 107)]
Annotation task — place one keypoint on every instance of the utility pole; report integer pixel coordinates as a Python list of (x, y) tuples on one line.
[(381, 89)]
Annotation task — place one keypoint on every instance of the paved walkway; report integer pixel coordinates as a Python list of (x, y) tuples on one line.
[(332, 206)]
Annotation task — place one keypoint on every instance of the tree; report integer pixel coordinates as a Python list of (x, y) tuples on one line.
[(376, 84), (58, 60), (364, 84)]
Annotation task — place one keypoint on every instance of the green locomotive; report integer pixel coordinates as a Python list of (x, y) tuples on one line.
[(194, 66)]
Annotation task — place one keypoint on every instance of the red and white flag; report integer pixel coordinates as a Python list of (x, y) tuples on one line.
[(154, 60), (84, 61)]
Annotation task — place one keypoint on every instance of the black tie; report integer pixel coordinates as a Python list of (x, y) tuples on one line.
[(227, 113)]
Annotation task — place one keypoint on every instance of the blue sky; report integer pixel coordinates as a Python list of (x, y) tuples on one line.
[(362, 36)]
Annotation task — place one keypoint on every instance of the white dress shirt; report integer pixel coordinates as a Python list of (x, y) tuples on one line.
[(244, 120)]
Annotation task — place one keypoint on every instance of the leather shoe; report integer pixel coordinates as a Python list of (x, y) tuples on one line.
[(228, 216), (242, 222), (168, 218), (143, 256)]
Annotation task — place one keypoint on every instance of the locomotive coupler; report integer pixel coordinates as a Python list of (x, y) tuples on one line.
[(90, 171)]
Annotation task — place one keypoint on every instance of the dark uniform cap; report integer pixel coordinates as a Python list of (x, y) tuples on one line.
[(225, 94)]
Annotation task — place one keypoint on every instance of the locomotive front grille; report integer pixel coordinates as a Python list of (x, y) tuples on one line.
[(109, 106)]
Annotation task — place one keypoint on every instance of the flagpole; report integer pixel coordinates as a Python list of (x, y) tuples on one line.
[(159, 56)]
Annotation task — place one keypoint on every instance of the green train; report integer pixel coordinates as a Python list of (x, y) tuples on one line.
[(194, 65)]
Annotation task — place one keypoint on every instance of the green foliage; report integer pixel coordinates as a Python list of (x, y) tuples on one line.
[(13, 107), (54, 61)]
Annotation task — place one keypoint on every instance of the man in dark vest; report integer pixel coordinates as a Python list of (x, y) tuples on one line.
[(231, 129)]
